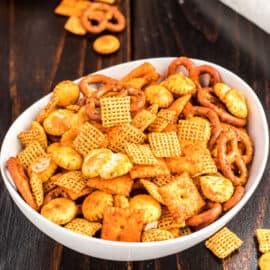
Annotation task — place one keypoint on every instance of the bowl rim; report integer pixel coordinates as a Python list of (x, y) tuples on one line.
[(210, 229)]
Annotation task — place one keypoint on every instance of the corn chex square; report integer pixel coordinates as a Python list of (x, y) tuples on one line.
[(115, 111), (223, 243), (163, 119), (164, 144), (119, 136), (193, 130), (140, 153), (89, 138), (263, 236)]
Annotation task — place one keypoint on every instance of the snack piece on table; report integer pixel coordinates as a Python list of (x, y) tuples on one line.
[(145, 171), (223, 243), (182, 197), (59, 210), (30, 153), (71, 8), (263, 237), (115, 111), (140, 153), (89, 138), (83, 226), (95, 204), (156, 235), (151, 207), (122, 224), (164, 144), (106, 44), (120, 185), (74, 26), (179, 84)]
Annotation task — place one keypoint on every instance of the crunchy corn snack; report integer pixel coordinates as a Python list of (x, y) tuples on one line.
[(156, 235), (263, 236), (223, 243)]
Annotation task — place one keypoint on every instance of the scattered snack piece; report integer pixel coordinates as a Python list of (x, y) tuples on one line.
[(263, 236), (59, 210), (83, 226), (223, 243), (264, 261), (74, 26), (156, 235), (71, 8), (106, 44), (122, 224)]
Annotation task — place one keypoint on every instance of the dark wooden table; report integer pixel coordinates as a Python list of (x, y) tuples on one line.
[(36, 53)]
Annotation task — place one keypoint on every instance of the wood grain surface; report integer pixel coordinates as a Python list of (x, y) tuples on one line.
[(36, 53)]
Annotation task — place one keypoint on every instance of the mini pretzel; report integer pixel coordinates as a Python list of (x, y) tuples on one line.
[(180, 61), (233, 160), (92, 112), (94, 79), (197, 71), (120, 21), (205, 218), (206, 99), (137, 100), (236, 197), (21, 181), (89, 16)]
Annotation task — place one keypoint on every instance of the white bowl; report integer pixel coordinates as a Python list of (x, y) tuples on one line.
[(122, 251)]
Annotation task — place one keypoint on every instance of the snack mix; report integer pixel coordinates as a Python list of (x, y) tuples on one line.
[(147, 157)]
